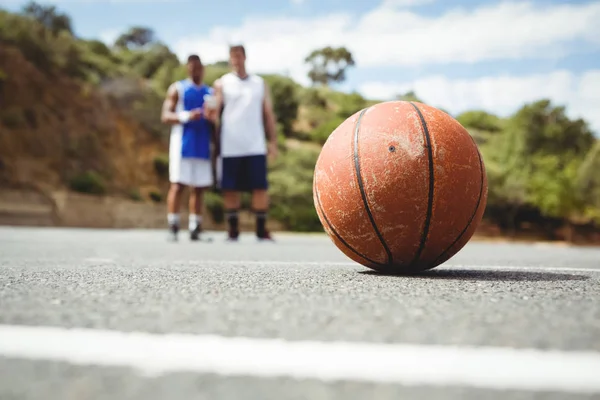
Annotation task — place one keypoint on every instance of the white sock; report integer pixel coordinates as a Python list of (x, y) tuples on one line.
[(173, 219), (194, 220)]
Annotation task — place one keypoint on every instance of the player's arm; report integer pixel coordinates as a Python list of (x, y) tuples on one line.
[(168, 114), (213, 114), (269, 118)]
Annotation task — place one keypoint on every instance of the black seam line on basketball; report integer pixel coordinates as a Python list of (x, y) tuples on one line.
[(338, 235), (427, 223), (362, 188), (474, 212)]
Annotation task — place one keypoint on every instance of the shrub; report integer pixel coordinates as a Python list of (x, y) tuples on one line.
[(214, 205), (161, 165), (155, 196), (89, 182)]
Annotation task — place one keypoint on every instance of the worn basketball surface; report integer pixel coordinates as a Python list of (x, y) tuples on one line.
[(400, 187)]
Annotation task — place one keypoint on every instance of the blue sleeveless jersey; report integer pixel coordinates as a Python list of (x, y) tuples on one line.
[(195, 138)]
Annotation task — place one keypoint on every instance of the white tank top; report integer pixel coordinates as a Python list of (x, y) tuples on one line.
[(242, 126)]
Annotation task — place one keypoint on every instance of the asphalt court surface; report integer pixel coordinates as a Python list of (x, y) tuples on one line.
[(505, 296)]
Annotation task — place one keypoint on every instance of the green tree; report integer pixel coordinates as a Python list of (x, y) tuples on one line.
[(48, 16), (409, 96), (284, 92), (588, 181), (547, 129), (534, 162), (351, 103), (214, 72), (135, 37), (290, 180), (480, 120), (329, 65), (151, 60)]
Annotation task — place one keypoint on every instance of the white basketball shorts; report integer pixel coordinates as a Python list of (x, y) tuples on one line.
[(196, 172)]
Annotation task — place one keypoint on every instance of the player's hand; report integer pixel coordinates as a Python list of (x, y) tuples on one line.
[(210, 114), (272, 150), (196, 114)]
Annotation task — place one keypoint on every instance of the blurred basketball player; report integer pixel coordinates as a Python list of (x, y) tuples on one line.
[(246, 117), (189, 146)]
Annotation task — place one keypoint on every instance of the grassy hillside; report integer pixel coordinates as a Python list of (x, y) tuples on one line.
[(80, 115)]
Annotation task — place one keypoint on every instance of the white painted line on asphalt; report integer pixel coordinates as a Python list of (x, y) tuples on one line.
[(151, 354)]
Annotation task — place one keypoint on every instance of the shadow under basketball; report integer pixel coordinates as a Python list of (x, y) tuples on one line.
[(485, 275)]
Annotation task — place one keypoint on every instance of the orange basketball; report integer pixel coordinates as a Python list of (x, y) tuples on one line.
[(400, 187)]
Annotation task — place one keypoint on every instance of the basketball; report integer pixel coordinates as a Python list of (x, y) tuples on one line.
[(400, 187)]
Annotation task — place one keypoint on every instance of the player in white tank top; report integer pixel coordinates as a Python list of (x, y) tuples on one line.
[(247, 135), (242, 128)]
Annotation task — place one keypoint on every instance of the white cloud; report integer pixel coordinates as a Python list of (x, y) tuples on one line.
[(114, 1), (406, 3), (400, 37), (502, 94), (392, 36), (110, 35)]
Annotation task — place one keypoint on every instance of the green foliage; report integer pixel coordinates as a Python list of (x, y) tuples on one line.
[(322, 132), (213, 72), (545, 129), (135, 37), (147, 64), (553, 190), (409, 96), (49, 17), (290, 180), (55, 52), (134, 194), (480, 120), (13, 118), (155, 196), (284, 93), (161, 165), (214, 206), (350, 104), (329, 65), (588, 181), (138, 101), (533, 161), (314, 98), (89, 182)]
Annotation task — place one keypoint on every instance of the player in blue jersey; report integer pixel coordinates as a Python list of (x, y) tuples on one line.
[(189, 146)]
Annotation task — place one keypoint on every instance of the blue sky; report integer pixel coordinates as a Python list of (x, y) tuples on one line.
[(456, 54)]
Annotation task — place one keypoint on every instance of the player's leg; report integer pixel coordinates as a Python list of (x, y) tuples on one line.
[(230, 186), (173, 205), (201, 179), (257, 167), (176, 173), (195, 212)]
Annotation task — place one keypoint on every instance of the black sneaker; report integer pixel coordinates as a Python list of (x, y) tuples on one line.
[(265, 237), (173, 231), (195, 234), (232, 236)]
